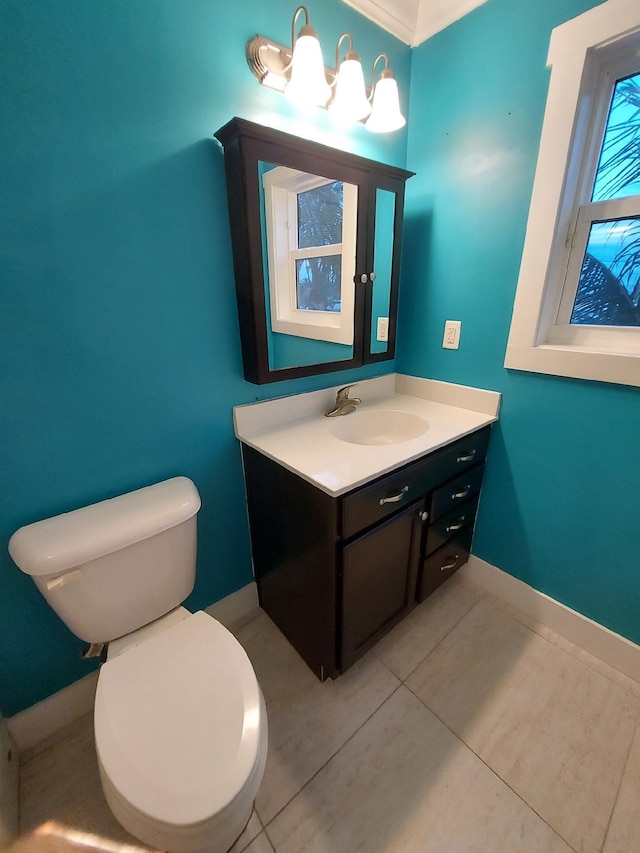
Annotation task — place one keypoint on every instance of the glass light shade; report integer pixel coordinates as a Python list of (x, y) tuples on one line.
[(350, 102), (308, 85), (385, 112)]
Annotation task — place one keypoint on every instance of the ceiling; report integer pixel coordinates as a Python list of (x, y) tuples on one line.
[(414, 21)]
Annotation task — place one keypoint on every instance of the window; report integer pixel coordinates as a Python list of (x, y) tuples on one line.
[(577, 307), (311, 236)]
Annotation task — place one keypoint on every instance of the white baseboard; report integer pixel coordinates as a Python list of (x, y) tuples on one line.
[(37, 723), (9, 783), (594, 638), (236, 607), (42, 720)]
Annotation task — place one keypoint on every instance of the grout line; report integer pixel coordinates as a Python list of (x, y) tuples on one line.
[(440, 641), (333, 755), (490, 768), (269, 841), (615, 801)]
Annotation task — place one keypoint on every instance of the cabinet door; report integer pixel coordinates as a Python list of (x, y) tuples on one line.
[(379, 574)]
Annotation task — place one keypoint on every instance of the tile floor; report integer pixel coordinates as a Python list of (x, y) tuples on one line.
[(468, 728)]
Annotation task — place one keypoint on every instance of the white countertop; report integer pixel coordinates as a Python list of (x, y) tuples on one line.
[(294, 432)]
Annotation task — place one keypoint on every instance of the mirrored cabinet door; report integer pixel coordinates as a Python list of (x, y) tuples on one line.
[(309, 251), (316, 245), (387, 207)]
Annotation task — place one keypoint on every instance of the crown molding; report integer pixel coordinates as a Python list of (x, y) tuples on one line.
[(414, 21)]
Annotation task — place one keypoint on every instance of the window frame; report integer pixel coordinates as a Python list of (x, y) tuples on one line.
[(282, 186), (585, 54)]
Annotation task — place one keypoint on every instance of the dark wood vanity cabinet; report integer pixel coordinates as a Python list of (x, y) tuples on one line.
[(335, 574)]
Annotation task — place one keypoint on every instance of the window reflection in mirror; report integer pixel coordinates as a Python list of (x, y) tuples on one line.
[(309, 243)]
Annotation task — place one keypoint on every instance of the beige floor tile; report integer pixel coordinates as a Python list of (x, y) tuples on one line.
[(251, 831), (466, 582), (554, 729), (405, 784), (417, 635), (308, 720), (62, 783), (486, 658), (624, 830)]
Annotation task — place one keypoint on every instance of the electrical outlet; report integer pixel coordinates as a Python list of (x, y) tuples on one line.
[(451, 339), (383, 329)]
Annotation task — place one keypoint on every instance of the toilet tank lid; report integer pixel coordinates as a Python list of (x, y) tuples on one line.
[(69, 540)]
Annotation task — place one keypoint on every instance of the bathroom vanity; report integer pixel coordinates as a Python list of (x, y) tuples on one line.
[(342, 555)]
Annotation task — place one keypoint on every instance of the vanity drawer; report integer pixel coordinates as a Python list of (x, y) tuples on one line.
[(444, 562), (450, 524), (384, 496), (455, 492)]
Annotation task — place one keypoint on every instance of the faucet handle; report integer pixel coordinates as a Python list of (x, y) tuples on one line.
[(343, 393)]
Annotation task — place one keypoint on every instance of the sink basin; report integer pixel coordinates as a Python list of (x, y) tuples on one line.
[(378, 427)]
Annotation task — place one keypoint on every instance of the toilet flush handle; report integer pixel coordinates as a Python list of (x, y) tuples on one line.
[(64, 579)]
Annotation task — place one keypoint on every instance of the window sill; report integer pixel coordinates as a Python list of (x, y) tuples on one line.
[(576, 362)]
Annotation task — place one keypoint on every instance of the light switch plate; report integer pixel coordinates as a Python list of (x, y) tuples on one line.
[(383, 329)]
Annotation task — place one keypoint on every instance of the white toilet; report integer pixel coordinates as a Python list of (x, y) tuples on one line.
[(180, 722)]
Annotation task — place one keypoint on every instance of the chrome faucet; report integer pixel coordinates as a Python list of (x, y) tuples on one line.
[(344, 403)]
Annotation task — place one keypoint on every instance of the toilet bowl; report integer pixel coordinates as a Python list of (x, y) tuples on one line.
[(180, 722), (181, 736)]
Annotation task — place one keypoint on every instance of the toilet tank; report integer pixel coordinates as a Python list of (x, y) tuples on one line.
[(112, 567)]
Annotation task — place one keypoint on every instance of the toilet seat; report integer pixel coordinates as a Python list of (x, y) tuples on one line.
[(180, 726)]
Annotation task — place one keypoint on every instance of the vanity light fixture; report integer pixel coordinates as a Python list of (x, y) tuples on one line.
[(300, 73)]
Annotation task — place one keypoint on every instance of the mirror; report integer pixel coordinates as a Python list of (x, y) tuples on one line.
[(308, 226), (383, 266), (316, 245)]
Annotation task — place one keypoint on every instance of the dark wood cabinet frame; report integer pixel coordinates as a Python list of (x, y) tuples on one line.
[(245, 145)]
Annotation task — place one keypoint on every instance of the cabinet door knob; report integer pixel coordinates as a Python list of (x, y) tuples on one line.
[(458, 495), (372, 276), (393, 499), (468, 457), (423, 515), (451, 565), (363, 278)]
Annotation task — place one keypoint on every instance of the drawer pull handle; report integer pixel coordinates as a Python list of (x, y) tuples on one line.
[(451, 565), (468, 457), (457, 525), (393, 499), (459, 495)]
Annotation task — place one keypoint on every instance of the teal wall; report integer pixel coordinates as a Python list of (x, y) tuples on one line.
[(118, 331), (559, 506), (118, 328)]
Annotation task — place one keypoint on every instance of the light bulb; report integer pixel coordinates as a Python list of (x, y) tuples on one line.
[(307, 84), (385, 112), (350, 102)]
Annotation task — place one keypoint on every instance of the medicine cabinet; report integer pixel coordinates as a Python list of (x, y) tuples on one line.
[(316, 236)]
